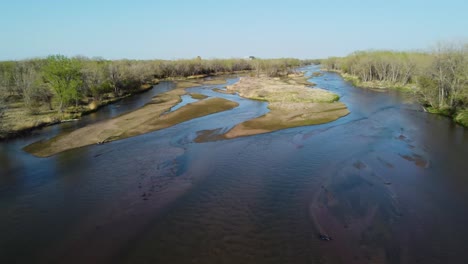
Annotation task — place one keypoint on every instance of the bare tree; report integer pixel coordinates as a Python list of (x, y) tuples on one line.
[(94, 79), (24, 77), (450, 71), (2, 109)]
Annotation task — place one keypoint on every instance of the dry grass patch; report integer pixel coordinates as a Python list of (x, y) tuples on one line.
[(18, 118)]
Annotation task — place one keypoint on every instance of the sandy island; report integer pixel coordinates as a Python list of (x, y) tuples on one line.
[(292, 103)]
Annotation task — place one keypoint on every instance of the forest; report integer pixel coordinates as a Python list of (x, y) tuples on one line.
[(438, 78)]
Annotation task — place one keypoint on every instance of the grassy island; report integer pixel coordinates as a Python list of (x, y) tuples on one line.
[(291, 101)]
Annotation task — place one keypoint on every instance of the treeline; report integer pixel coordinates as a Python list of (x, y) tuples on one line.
[(383, 66), (58, 82), (438, 77)]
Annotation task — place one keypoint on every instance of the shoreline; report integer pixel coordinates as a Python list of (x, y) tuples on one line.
[(375, 85)]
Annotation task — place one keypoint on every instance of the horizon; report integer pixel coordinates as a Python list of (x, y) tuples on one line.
[(146, 30)]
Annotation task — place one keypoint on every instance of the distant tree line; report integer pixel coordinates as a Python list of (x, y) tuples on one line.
[(440, 76), (58, 82)]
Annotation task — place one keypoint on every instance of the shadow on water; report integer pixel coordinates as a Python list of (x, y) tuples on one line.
[(386, 184)]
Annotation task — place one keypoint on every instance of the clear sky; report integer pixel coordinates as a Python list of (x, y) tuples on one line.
[(172, 29)]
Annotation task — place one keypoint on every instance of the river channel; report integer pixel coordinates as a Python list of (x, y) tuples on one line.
[(387, 183)]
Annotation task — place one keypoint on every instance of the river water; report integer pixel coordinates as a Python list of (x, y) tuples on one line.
[(388, 183)]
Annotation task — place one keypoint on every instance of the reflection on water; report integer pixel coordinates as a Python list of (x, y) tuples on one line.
[(387, 183)]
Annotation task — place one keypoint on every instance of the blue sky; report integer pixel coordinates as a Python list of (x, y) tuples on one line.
[(143, 29)]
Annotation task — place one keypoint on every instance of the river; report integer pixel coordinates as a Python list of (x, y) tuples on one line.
[(388, 183)]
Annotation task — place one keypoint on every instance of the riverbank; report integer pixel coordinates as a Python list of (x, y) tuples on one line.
[(18, 119), (460, 116), (292, 103), (375, 85)]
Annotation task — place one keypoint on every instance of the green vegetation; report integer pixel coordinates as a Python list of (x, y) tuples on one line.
[(37, 92), (462, 117), (439, 78), (63, 77)]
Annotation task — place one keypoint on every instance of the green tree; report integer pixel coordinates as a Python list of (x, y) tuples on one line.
[(63, 76)]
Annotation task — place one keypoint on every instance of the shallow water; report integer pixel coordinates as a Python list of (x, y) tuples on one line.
[(388, 183), (186, 99)]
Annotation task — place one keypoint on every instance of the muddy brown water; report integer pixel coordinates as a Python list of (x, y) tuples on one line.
[(388, 183)]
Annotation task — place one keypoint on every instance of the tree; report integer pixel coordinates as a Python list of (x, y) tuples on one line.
[(94, 79), (451, 72), (5, 73), (25, 77), (63, 76), (444, 83), (115, 74), (6, 82)]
